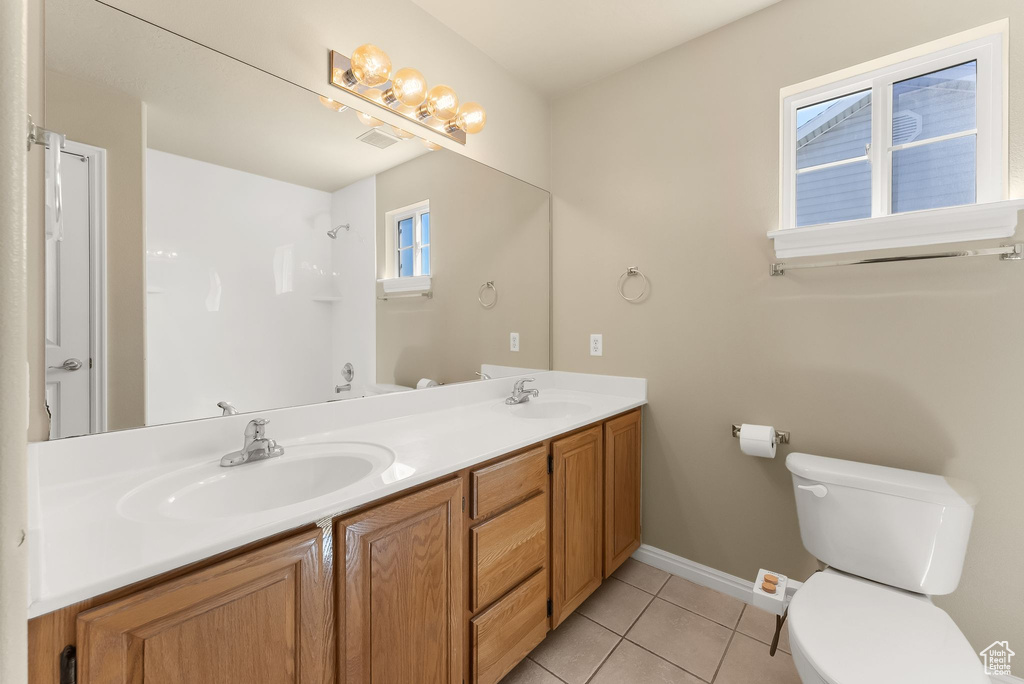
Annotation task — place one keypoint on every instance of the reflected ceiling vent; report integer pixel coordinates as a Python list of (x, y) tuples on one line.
[(378, 138)]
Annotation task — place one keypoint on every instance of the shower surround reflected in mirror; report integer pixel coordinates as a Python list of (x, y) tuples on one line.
[(223, 241)]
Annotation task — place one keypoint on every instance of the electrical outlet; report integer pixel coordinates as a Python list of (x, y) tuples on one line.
[(513, 342), (596, 345)]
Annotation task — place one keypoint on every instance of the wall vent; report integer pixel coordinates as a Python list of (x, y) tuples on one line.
[(906, 126), (378, 138)]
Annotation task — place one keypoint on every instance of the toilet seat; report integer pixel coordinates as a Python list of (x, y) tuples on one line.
[(853, 631)]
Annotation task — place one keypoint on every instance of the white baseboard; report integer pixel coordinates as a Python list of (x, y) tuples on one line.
[(726, 583), (696, 573)]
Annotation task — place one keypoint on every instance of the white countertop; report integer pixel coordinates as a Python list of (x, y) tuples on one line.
[(81, 545)]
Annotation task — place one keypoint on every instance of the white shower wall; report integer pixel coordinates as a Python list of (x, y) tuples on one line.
[(355, 315), (234, 264)]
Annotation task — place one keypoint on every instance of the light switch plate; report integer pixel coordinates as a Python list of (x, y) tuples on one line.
[(513, 342), (596, 345)]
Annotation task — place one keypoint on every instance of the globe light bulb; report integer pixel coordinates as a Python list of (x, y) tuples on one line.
[(375, 95), (471, 118), (331, 104), (404, 135), (407, 87), (442, 103), (432, 146), (371, 66)]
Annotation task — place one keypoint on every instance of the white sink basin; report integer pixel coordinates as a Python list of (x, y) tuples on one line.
[(303, 473), (544, 409)]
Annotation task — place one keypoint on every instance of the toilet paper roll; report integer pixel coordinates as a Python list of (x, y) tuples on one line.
[(426, 382), (757, 440)]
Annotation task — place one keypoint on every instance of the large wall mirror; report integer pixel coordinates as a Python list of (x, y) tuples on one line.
[(219, 239)]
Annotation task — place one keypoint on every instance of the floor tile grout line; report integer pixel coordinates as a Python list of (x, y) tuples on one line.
[(766, 642), (725, 654), (604, 660), (690, 610), (545, 669), (680, 667), (641, 588)]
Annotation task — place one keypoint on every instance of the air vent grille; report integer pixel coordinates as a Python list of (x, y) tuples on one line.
[(378, 139), (906, 126)]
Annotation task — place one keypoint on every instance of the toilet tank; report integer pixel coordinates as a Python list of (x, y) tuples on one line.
[(898, 527)]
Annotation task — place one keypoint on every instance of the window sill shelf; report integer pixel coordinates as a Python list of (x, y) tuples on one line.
[(912, 229), (408, 284)]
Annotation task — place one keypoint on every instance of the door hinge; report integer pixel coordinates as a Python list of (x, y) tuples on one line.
[(549, 608), (551, 464), (68, 665)]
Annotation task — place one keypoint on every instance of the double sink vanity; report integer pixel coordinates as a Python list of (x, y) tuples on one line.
[(426, 536)]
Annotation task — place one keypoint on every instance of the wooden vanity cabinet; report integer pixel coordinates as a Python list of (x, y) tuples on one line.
[(399, 590), (621, 489), (577, 517), (264, 616)]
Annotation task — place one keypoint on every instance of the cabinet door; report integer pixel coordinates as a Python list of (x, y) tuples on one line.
[(400, 591), (264, 616), (576, 517), (621, 490)]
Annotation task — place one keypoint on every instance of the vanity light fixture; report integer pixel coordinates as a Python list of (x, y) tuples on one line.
[(432, 146), (332, 104), (367, 74)]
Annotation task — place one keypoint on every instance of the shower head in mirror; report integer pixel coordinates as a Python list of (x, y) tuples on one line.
[(333, 232)]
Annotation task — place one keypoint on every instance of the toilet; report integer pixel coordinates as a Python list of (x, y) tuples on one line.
[(891, 539)]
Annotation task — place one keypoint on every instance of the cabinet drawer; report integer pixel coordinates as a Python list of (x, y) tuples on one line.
[(503, 484), (507, 549), (507, 631)]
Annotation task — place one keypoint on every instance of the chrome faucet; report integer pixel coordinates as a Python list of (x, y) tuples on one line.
[(256, 447), (520, 395), (227, 407), (483, 376)]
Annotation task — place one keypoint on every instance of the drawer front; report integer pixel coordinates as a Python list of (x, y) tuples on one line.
[(503, 484), (507, 549), (506, 632)]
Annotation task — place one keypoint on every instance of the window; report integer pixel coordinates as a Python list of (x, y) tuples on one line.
[(411, 234), (925, 130)]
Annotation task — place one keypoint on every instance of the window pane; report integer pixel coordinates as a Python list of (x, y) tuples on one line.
[(935, 104), (405, 233), (834, 130), (425, 260), (940, 174), (425, 228), (405, 262), (838, 193)]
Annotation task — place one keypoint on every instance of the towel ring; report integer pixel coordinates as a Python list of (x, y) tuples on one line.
[(480, 295), (629, 273)]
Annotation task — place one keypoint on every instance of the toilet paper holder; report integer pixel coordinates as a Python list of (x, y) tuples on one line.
[(781, 436)]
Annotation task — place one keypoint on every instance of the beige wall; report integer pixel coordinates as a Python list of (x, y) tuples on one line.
[(94, 115), (292, 40), (485, 225), (908, 365)]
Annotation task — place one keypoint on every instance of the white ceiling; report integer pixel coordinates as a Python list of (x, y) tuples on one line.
[(556, 45)]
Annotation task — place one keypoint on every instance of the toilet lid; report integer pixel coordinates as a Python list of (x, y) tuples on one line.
[(852, 631)]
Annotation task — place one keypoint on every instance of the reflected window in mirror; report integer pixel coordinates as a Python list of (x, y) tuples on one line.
[(411, 229)]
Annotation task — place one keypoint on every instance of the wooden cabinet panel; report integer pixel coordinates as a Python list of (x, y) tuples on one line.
[(503, 484), (400, 591), (507, 631), (576, 521), (507, 549), (265, 616), (622, 490)]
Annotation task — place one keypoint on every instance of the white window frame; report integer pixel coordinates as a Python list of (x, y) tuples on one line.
[(414, 212), (987, 45)]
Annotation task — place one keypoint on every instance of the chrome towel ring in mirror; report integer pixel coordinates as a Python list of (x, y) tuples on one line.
[(489, 285), (629, 273)]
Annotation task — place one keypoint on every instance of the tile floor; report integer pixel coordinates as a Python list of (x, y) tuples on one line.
[(645, 626)]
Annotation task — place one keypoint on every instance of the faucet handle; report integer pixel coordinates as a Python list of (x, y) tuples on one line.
[(518, 387), (256, 428)]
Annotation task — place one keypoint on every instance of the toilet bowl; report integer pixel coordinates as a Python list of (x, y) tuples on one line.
[(848, 630), (891, 539)]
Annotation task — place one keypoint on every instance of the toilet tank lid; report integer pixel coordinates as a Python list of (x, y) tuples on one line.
[(895, 481)]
